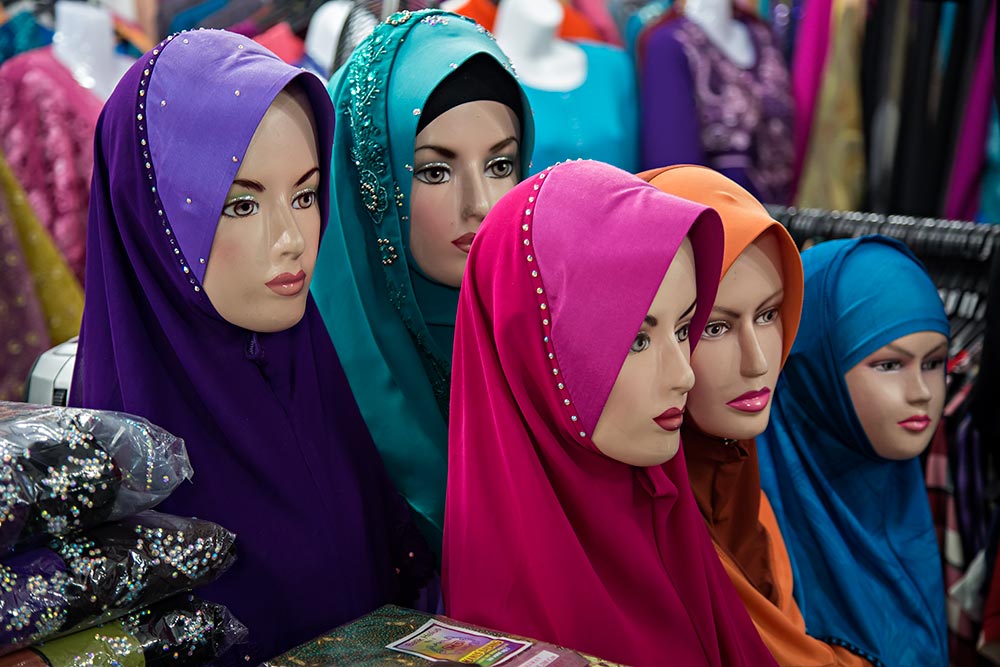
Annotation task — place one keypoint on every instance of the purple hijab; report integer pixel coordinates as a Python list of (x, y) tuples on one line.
[(280, 451)]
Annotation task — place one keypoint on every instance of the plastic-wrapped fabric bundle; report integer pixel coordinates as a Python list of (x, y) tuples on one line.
[(63, 470), (183, 631), (81, 581)]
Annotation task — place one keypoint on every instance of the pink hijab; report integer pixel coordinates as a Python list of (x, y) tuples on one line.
[(545, 536)]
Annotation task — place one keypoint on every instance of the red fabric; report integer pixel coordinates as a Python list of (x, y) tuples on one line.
[(574, 26), (283, 42), (545, 536)]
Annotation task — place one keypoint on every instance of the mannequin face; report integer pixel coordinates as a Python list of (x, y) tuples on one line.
[(640, 423), (898, 393), (264, 250), (464, 161), (739, 356)]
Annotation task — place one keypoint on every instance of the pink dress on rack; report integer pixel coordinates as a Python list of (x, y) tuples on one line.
[(47, 122)]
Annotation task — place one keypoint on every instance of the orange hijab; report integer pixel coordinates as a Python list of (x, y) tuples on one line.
[(724, 475)]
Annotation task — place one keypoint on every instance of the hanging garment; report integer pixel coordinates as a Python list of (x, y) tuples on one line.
[(574, 24), (698, 107), (47, 123)]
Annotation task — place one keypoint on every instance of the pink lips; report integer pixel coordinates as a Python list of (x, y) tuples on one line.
[(670, 420), (464, 242), (752, 401), (287, 284), (916, 423)]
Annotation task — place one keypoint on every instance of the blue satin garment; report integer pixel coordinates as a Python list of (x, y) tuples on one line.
[(858, 527)]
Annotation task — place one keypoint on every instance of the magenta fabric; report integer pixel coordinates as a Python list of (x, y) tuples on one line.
[(545, 536), (47, 123), (970, 153), (808, 64)]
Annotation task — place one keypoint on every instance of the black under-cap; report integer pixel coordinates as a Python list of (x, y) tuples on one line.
[(480, 77)]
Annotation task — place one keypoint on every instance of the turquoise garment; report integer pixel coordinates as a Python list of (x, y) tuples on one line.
[(858, 527), (599, 120), (392, 326), (22, 33)]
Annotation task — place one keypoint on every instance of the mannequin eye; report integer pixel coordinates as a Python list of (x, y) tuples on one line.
[(434, 174), (243, 207), (304, 199), (768, 316), (714, 330), (682, 333), (501, 167), (641, 342), (887, 366), (933, 364)]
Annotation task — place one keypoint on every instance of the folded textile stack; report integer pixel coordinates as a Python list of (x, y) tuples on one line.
[(182, 630), (80, 548)]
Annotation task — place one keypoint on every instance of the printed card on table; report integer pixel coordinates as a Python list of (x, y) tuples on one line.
[(435, 640)]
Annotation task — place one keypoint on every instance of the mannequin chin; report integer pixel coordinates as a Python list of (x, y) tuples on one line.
[(641, 420), (464, 161), (258, 273), (898, 392), (739, 356)]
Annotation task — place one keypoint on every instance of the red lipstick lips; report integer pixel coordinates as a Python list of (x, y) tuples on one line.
[(464, 242), (287, 284), (916, 423), (670, 420), (752, 401)]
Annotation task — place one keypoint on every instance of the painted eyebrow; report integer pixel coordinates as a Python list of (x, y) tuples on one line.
[(257, 187), (734, 315), (450, 154), (911, 355), (652, 321)]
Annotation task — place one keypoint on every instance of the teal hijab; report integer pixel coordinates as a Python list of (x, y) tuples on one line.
[(392, 326)]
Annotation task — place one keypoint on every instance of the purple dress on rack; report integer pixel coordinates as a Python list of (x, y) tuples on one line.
[(280, 452), (698, 107)]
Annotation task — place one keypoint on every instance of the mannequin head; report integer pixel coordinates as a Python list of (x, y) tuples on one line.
[(466, 156), (463, 162), (640, 423), (740, 356), (898, 393), (753, 322), (264, 250)]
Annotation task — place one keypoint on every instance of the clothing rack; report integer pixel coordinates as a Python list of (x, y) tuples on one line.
[(958, 255)]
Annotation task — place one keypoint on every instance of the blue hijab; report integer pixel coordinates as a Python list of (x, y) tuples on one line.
[(393, 326), (858, 527)]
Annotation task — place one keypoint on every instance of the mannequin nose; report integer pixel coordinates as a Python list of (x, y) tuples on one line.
[(675, 365), (917, 389), (288, 238), (476, 199), (753, 363)]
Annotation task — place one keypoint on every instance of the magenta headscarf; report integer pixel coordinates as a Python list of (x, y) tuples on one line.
[(544, 535)]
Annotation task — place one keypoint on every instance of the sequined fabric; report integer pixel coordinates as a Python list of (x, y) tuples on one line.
[(183, 631), (47, 123), (78, 582), (63, 470)]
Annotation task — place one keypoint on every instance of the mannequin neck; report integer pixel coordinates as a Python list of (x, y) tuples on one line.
[(527, 31), (731, 36), (84, 42)]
